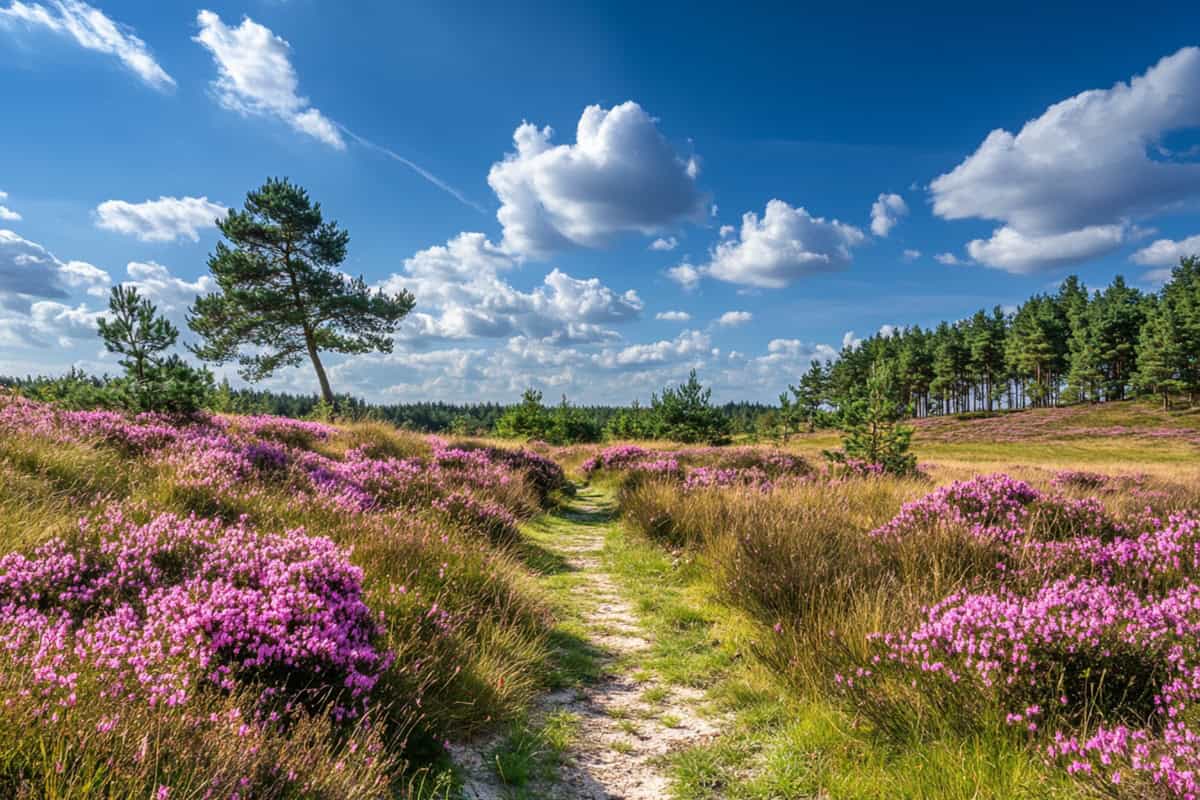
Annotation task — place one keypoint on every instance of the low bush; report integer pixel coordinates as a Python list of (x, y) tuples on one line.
[(252, 605)]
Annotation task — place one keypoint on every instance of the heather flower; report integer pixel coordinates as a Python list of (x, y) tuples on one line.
[(161, 606)]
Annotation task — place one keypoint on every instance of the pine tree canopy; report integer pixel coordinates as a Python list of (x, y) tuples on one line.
[(280, 294)]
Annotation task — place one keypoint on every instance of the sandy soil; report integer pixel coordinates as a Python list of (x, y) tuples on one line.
[(619, 750)]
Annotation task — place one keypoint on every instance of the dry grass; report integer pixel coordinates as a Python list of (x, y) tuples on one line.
[(487, 669)]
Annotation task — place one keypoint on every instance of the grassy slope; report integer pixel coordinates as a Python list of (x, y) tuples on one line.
[(1124, 435), (503, 655), (785, 744), (779, 744)]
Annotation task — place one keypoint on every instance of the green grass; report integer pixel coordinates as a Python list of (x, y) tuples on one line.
[(776, 743), (575, 661), (531, 752)]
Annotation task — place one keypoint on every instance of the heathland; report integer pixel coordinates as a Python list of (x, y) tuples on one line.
[(250, 606)]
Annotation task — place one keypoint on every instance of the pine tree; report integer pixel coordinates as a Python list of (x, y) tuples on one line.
[(135, 330), (950, 360), (1118, 318), (1159, 354), (529, 419), (685, 414), (281, 293), (873, 430), (1085, 375), (1182, 296), (809, 396), (154, 381)]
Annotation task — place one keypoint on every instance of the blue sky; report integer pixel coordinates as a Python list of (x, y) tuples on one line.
[(900, 165)]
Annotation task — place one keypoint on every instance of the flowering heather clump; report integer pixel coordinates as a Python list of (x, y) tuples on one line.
[(856, 468), (1092, 631), (175, 602), (615, 458), (1058, 647), (544, 475), (659, 466), (1163, 557), (359, 484), (491, 519), (164, 606), (294, 432), (1074, 651), (708, 477), (1079, 479), (1003, 509), (139, 434), (991, 506), (753, 461)]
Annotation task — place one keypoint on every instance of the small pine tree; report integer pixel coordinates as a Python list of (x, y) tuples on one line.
[(634, 422), (809, 395), (528, 419), (571, 425), (154, 381), (136, 331), (685, 414), (873, 432)]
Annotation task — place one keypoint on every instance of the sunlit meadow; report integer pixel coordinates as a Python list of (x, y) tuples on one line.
[(254, 606), (239, 606)]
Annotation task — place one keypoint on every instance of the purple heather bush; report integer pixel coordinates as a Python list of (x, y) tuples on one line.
[(1087, 631), (1064, 615), (308, 582)]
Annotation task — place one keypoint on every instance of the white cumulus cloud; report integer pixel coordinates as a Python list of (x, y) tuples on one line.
[(686, 275), (1011, 250), (29, 272), (1166, 253), (1067, 186), (7, 214), (664, 245), (911, 255), (461, 283), (92, 30), (620, 175), (785, 244), (673, 316), (255, 76), (886, 212), (688, 344), (161, 220), (731, 319)]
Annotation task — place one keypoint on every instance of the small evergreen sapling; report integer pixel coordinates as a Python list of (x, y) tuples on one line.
[(872, 428), (153, 380), (135, 330)]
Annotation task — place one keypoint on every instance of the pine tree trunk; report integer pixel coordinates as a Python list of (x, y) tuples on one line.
[(322, 378)]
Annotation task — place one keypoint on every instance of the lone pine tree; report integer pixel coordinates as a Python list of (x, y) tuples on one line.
[(281, 294)]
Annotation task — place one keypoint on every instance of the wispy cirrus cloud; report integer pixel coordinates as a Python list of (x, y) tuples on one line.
[(91, 29), (256, 77)]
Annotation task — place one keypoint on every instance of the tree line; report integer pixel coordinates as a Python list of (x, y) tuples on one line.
[(1067, 346), (282, 299)]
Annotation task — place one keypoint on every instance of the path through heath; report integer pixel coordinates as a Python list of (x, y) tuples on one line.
[(627, 726)]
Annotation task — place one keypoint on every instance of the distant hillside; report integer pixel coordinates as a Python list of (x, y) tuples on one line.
[(1127, 418)]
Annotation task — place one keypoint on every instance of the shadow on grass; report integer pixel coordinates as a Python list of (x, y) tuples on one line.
[(541, 560), (576, 660)]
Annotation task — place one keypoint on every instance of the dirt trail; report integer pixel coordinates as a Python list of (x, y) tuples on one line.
[(626, 726)]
